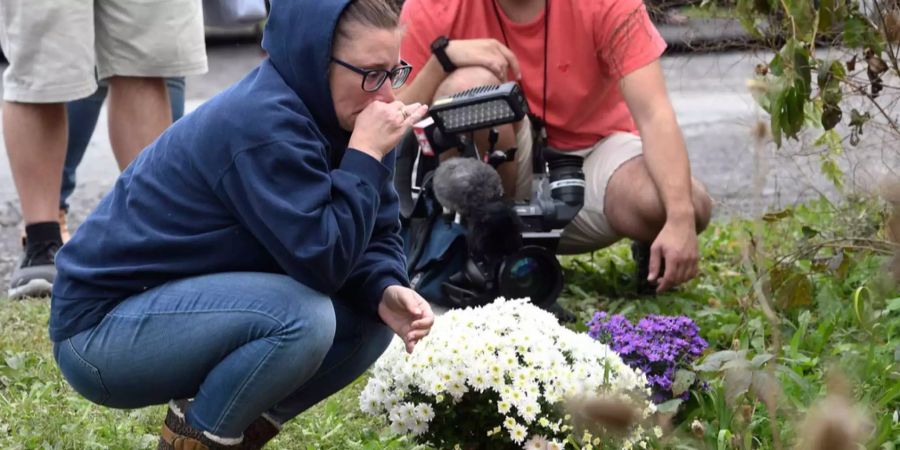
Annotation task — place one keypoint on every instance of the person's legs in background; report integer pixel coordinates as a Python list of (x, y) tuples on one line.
[(138, 113), (83, 115), (50, 49), (139, 107)]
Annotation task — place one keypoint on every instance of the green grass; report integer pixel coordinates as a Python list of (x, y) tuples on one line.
[(833, 309)]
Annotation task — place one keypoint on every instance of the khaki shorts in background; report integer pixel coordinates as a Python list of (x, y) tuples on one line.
[(57, 49), (590, 229)]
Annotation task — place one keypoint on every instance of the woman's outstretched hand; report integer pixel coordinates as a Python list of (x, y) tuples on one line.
[(380, 126), (407, 313)]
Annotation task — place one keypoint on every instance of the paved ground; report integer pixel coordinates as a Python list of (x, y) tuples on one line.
[(709, 91)]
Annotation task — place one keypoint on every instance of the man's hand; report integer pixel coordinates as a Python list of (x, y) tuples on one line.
[(487, 53), (407, 313), (676, 244)]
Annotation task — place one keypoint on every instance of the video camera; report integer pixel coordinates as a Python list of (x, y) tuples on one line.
[(509, 246)]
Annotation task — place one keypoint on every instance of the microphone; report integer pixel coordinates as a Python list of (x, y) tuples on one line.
[(466, 185), (473, 189)]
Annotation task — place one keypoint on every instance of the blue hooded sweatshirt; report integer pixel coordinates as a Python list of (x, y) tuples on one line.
[(257, 179)]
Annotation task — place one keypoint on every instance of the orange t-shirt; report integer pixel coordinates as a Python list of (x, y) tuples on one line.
[(592, 45)]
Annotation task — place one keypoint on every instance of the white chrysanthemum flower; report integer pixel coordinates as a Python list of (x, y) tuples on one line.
[(518, 433), (529, 410), (536, 443), (510, 355), (423, 412)]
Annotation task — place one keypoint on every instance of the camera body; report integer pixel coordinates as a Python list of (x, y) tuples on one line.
[(510, 247)]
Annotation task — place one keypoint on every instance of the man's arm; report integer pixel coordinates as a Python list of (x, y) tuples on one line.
[(488, 53), (666, 158), (424, 85)]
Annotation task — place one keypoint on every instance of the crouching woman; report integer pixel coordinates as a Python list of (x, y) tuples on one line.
[(249, 259)]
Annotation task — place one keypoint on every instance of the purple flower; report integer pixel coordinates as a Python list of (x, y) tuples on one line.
[(657, 345)]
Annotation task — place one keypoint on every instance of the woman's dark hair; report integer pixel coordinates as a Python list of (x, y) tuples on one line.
[(383, 14)]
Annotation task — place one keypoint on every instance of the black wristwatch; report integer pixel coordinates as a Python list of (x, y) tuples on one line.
[(439, 50)]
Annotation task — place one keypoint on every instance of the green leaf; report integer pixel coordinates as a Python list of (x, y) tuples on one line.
[(832, 171), (776, 216), (669, 407), (776, 65), (792, 114), (829, 12), (832, 140), (860, 32), (714, 361), (889, 396), (893, 304), (758, 360), (737, 363), (859, 306), (775, 118), (802, 14), (831, 116), (765, 387), (737, 382), (748, 17), (790, 287), (809, 232), (16, 362), (800, 334), (858, 119), (723, 440), (855, 31), (684, 379)]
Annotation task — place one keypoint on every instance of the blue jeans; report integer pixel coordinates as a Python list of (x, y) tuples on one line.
[(241, 344), (83, 114)]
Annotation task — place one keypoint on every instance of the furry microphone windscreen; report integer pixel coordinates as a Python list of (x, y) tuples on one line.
[(466, 185)]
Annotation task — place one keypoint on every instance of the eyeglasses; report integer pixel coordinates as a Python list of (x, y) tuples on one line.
[(374, 78)]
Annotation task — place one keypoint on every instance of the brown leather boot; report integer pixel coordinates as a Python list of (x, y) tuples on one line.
[(260, 432), (176, 434)]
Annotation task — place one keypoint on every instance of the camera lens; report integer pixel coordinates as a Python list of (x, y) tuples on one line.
[(566, 178), (531, 272)]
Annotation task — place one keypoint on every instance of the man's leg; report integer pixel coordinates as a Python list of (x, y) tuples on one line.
[(635, 209), (139, 108), (49, 46), (35, 137), (175, 86), (139, 112), (82, 116), (621, 200)]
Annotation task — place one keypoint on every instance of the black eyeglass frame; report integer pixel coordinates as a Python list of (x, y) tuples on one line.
[(398, 75)]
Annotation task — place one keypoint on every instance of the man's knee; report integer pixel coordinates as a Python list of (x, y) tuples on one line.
[(703, 205), (465, 78)]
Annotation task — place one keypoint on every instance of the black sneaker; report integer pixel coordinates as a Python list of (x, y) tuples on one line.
[(640, 251), (34, 275)]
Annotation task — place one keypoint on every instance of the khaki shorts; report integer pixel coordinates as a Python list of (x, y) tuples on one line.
[(590, 229), (57, 49)]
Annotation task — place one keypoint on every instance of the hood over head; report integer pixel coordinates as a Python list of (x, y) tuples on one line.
[(298, 38)]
